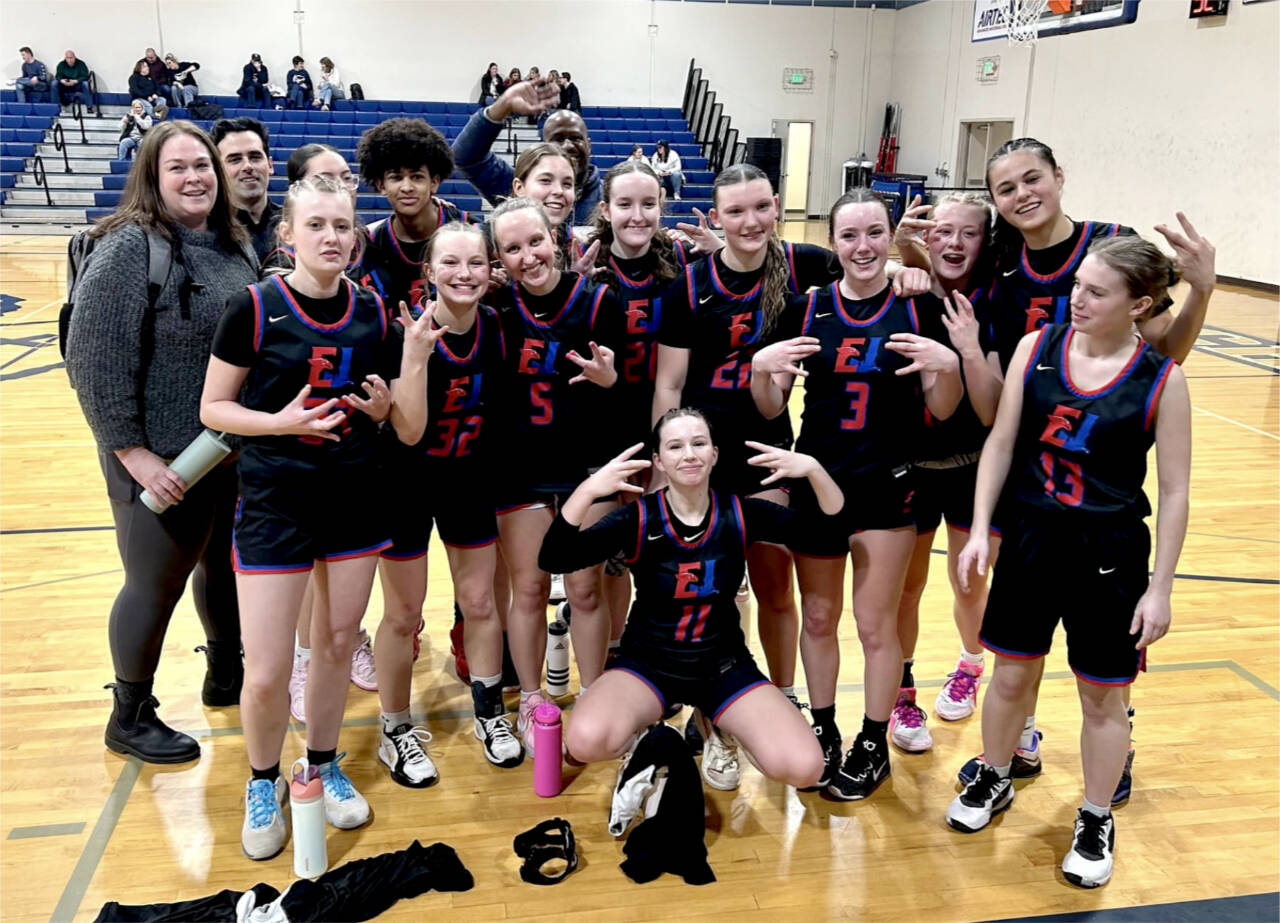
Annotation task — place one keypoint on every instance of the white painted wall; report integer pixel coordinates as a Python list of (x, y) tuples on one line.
[(1162, 114), (438, 49)]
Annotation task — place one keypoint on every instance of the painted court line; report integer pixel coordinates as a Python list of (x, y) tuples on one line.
[(1252, 429), (43, 830), (27, 586), (91, 855)]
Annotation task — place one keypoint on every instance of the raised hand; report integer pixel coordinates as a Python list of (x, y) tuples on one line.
[(586, 264), (296, 419), (913, 223), (926, 355), (785, 356), (616, 474), (598, 369), (525, 98), (704, 239), (378, 404), (961, 323), (781, 462), (1193, 254), (419, 336), (910, 281)]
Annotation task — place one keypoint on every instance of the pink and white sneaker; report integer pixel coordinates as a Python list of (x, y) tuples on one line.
[(524, 720), (959, 694), (906, 724), (363, 673), (298, 686)]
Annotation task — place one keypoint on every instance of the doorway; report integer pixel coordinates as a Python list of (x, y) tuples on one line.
[(978, 141), (796, 155)]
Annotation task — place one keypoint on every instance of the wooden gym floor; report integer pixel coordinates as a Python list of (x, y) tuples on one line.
[(80, 826)]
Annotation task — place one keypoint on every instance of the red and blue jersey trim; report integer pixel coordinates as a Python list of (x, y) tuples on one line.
[(1035, 354), (911, 313), (449, 354), (808, 312), (626, 281), (753, 292), (1086, 233), (596, 299), (665, 512), (316, 325), (642, 520), (255, 293), (741, 522), (848, 319), (1153, 399), (792, 280), (1096, 392), (528, 315)]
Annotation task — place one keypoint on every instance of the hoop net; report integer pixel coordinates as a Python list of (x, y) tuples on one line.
[(1024, 21)]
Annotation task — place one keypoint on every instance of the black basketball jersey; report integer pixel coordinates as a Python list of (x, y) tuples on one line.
[(293, 350), (1086, 450), (810, 265), (547, 421), (1024, 300), (392, 267), (464, 387), (962, 433), (859, 416)]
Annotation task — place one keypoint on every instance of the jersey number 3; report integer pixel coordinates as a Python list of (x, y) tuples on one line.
[(859, 392)]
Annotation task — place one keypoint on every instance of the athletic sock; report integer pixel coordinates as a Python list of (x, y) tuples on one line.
[(300, 651), (973, 660), (524, 696), (271, 773), (319, 758), (487, 681), (825, 718), (1095, 810), (875, 731), (788, 691), (908, 680), (1028, 739), (393, 719), (1003, 771), (615, 643)]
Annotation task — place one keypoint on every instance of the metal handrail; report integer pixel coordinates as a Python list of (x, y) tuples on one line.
[(60, 144), (77, 113), (41, 178)]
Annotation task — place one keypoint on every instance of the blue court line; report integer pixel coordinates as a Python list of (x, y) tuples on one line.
[(43, 830), (1247, 908)]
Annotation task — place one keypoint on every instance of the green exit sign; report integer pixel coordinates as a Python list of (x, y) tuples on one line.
[(797, 78)]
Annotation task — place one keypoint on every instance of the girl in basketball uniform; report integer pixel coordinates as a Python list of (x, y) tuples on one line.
[(1037, 249), (317, 160), (451, 462), (1081, 406), (860, 346), (714, 318), (544, 174), (687, 545), (954, 314), (287, 357), (557, 327)]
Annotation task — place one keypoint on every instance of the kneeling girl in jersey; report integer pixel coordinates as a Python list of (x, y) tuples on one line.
[(290, 358), (686, 545), (1081, 406), (864, 407)]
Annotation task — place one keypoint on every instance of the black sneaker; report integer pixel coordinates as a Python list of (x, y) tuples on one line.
[(1089, 862), (831, 754), (692, 736), (1026, 763), (865, 766), (982, 799)]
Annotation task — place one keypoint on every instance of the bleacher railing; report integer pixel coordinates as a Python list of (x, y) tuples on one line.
[(41, 178), (711, 127), (77, 113), (60, 144)]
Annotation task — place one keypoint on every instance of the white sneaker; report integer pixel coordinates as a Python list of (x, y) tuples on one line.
[(298, 686), (958, 696), (1089, 862), (719, 757), (264, 832), (906, 724), (344, 807), (557, 589), (363, 673), (983, 798), (501, 747), (524, 719), (402, 750)]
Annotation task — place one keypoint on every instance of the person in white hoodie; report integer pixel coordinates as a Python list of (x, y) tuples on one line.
[(133, 126), (331, 87), (666, 163)]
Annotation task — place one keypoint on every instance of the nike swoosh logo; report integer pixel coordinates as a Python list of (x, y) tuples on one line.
[(705, 300), (1009, 273), (272, 320), (1044, 368), (816, 316), (694, 537), (652, 538), (1111, 570)]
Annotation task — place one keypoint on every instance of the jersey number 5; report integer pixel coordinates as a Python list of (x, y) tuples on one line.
[(540, 400)]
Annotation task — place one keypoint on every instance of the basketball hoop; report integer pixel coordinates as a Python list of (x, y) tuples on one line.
[(1024, 21)]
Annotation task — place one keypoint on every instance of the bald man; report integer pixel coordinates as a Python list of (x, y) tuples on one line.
[(72, 78), (492, 177)]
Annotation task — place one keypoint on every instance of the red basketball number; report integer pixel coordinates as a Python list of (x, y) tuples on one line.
[(417, 289), (454, 437), (637, 366), (733, 375), (1072, 480), (540, 401), (859, 392)]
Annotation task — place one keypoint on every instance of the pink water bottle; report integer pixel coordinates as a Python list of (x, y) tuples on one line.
[(547, 753)]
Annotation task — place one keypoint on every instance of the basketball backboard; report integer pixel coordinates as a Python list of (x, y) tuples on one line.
[(991, 17)]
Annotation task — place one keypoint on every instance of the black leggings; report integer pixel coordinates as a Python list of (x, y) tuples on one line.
[(159, 552)]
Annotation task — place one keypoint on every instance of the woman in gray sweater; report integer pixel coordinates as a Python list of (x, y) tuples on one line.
[(138, 375)]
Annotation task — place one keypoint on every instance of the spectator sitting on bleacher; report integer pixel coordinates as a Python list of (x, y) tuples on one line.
[(133, 126), (159, 70), (491, 85), (666, 163), (253, 86), (34, 79), (553, 78), (183, 90), (73, 80), (298, 85), (143, 89), (331, 87), (637, 153), (492, 176), (512, 78), (569, 98), (244, 146)]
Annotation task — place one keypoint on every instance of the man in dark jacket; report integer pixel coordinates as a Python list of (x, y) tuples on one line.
[(34, 79), (569, 94), (158, 70), (73, 81)]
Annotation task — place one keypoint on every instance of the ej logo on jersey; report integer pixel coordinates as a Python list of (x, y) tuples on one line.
[(858, 354), (1062, 429), (690, 584)]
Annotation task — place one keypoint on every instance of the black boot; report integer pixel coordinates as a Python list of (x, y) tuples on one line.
[(136, 730), (223, 674)]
